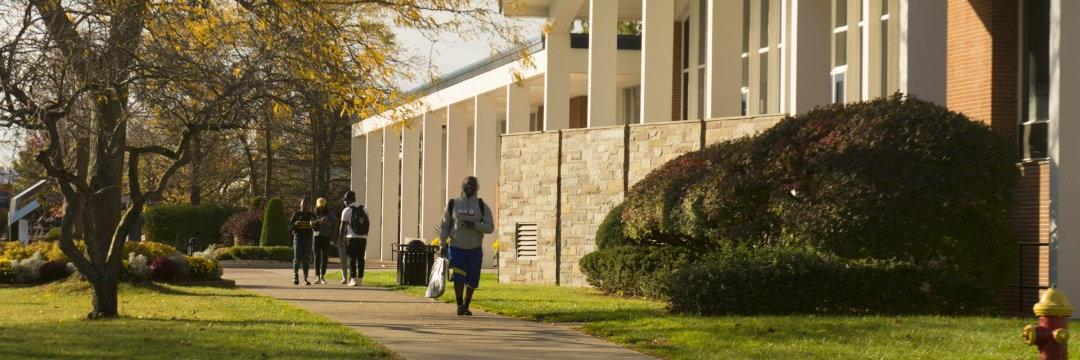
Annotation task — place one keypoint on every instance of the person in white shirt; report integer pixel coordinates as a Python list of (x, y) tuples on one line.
[(353, 231)]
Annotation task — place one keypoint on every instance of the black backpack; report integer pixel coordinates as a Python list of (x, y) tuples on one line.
[(359, 222)]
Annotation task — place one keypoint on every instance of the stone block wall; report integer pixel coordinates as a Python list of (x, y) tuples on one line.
[(527, 194), (567, 181), (592, 184)]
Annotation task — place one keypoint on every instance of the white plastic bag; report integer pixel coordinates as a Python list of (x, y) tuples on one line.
[(437, 283)]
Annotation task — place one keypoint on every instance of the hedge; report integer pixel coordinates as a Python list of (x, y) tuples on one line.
[(633, 270), (275, 225), (272, 253), (893, 178), (785, 280), (174, 224)]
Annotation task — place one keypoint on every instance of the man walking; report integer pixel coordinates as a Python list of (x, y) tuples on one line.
[(353, 231), (464, 223)]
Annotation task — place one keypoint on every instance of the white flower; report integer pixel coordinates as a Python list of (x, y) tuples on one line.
[(29, 269), (207, 254), (137, 266)]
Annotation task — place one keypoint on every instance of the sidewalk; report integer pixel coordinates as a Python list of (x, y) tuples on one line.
[(418, 328)]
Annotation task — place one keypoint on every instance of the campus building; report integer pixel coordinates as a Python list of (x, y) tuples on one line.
[(558, 137)]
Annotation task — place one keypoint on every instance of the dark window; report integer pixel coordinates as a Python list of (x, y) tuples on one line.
[(1035, 80)]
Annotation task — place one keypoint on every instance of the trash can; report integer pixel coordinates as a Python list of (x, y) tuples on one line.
[(414, 262)]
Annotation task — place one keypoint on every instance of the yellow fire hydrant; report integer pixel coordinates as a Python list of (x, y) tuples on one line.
[(1051, 335)]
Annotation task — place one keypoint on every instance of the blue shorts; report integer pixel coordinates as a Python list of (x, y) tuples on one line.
[(465, 265)]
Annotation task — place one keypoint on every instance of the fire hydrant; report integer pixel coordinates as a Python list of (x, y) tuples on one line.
[(1051, 335)]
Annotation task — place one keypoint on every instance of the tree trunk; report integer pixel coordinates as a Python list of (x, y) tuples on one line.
[(269, 171), (253, 172), (104, 298), (196, 164)]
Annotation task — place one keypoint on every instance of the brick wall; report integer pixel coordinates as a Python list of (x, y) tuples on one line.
[(579, 112), (981, 81)]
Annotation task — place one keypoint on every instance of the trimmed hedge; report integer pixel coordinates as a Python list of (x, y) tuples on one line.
[(633, 270), (612, 231), (244, 228), (272, 253), (174, 224), (275, 225), (786, 280), (893, 178)]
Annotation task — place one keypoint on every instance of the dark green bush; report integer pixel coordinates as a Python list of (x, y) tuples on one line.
[(174, 224), (275, 225), (780, 280), (272, 253), (893, 178), (610, 233), (633, 270)]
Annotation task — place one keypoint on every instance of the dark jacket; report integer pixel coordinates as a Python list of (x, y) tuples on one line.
[(300, 225)]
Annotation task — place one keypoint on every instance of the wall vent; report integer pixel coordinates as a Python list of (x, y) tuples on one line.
[(525, 235)]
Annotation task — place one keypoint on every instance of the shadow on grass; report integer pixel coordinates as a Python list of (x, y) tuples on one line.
[(171, 289)]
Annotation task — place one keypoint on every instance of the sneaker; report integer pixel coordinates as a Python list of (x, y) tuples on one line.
[(295, 280), (359, 281), (306, 282), (344, 281), (461, 311), (352, 282), (321, 280), (467, 312)]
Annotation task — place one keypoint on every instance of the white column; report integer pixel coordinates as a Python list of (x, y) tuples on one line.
[(775, 55), (391, 185), (457, 149), (433, 180), (1065, 147), (410, 180), (658, 32), (723, 69), (517, 108), (812, 31), (373, 194), (603, 48), (557, 81), (357, 161), (486, 163)]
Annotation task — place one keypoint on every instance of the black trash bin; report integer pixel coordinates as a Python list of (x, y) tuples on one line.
[(414, 262)]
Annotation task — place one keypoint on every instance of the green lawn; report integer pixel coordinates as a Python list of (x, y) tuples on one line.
[(645, 326), (168, 322)]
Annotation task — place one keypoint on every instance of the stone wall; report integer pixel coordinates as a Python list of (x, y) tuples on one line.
[(527, 194), (567, 181), (592, 184)]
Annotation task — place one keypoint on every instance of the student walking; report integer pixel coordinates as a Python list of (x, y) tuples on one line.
[(324, 232), (353, 231), (302, 227), (464, 223)]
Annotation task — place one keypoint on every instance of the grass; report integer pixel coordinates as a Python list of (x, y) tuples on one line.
[(169, 322), (645, 325)]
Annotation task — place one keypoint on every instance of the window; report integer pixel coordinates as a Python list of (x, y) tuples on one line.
[(885, 88), (839, 79), (632, 105), (685, 103), (1035, 80), (763, 84)]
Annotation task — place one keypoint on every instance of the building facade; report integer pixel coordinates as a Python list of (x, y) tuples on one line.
[(557, 144)]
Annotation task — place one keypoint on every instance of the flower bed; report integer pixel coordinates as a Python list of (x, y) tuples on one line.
[(43, 261)]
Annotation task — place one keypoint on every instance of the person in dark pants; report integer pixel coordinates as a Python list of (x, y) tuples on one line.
[(302, 227), (354, 230), (464, 224), (324, 231)]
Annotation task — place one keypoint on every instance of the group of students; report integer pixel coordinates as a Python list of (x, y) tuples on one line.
[(465, 221), (314, 233)]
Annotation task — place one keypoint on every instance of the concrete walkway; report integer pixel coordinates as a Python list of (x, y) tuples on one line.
[(418, 328)]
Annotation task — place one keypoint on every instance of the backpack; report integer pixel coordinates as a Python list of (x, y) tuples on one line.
[(482, 206), (359, 221)]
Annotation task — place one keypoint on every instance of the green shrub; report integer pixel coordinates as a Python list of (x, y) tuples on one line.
[(610, 233), (7, 272), (174, 224), (203, 269), (275, 225), (272, 253), (893, 178), (53, 234), (633, 270), (149, 249), (780, 280)]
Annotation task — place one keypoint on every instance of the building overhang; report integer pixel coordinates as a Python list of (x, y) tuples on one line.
[(628, 9)]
